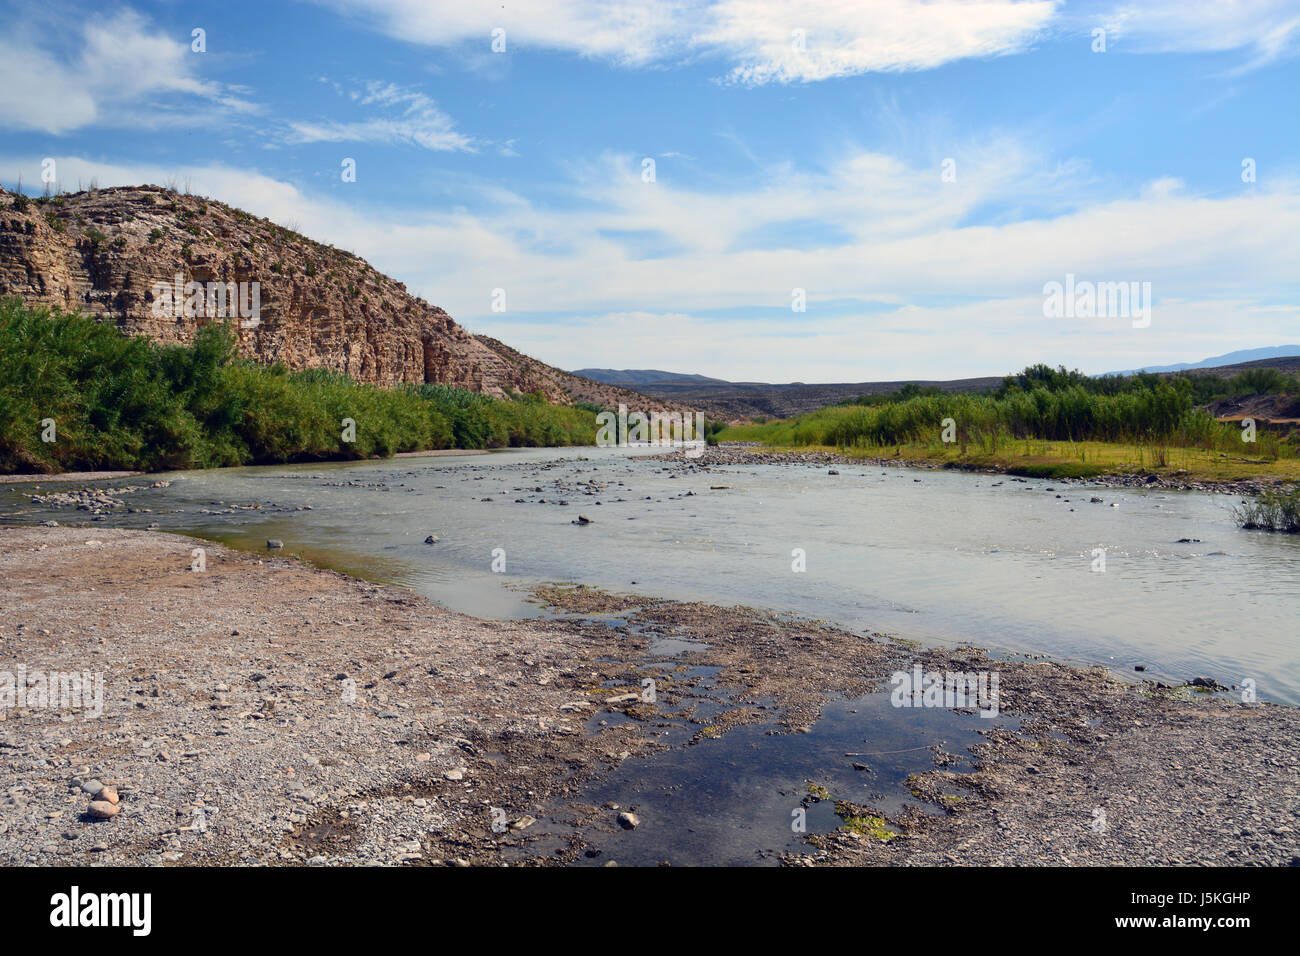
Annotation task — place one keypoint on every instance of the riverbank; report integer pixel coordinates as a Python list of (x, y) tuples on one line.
[(1204, 473), (265, 712), (67, 477)]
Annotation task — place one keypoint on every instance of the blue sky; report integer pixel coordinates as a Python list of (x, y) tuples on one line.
[(797, 145)]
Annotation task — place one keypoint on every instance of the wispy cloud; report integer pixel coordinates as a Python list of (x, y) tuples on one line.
[(1267, 30), (411, 117)]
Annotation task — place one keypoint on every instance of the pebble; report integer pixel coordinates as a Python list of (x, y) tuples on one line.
[(273, 543), (628, 820)]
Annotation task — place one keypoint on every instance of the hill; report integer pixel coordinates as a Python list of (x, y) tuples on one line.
[(104, 252), (632, 377)]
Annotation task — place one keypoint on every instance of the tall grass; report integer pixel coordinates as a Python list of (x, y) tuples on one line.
[(128, 403), (1271, 510), (1157, 417)]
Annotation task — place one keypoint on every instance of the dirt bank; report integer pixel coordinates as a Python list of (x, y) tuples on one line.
[(260, 711)]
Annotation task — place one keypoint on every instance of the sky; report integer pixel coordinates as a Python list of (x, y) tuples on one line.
[(811, 190)]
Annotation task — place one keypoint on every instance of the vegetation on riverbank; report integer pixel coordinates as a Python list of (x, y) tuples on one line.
[(77, 395), (1271, 510), (1052, 424)]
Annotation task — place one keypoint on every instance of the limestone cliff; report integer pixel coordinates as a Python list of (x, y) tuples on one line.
[(103, 251)]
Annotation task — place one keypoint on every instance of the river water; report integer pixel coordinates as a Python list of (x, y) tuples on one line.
[(935, 557)]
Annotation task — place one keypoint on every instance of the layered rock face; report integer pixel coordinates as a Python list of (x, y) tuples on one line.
[(105, 253)]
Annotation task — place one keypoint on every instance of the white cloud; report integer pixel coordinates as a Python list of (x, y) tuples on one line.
[(756, 38), (843, 37), (628, 33), (124, 72), (418, 120), (810, 40), (911, 291), (985, 338)]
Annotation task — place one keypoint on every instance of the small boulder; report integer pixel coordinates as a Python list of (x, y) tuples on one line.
[(102, 809)]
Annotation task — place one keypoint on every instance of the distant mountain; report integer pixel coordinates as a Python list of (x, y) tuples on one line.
[(1232, 358), (628, 377), (742, 401)]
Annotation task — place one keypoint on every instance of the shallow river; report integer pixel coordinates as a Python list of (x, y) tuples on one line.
[(935, 557)]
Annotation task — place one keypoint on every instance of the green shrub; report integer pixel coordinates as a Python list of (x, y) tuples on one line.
[(130, 403), (1271, 510)]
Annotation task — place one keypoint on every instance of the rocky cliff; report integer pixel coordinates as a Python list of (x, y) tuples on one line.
[(109, 252)]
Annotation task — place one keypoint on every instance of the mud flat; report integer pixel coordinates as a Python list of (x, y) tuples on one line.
[(264, 712)]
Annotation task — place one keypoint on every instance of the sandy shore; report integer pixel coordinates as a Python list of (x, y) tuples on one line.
[(264, 712)]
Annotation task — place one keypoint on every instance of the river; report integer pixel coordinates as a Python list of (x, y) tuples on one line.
[(941, 558)]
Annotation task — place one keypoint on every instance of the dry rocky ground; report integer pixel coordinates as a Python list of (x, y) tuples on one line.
[(264, 712)]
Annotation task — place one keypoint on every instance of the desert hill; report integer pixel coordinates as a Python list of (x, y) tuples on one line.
[(102, 252)]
